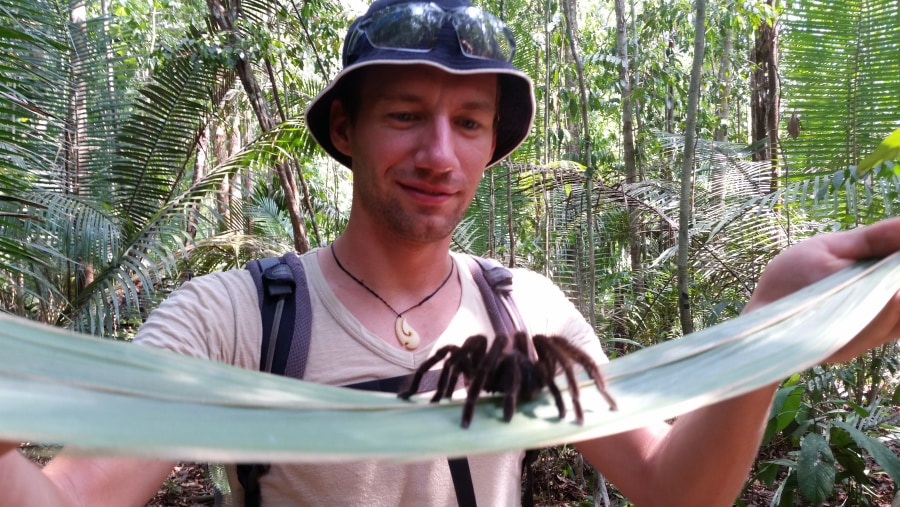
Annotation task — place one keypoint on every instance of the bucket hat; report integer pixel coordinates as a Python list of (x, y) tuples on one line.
[(467, 41)]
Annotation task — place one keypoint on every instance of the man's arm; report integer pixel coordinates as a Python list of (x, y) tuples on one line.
[(77, 481), (703, 458), (198, 320)]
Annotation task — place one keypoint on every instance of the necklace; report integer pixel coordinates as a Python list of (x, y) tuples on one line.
[(402, 329)]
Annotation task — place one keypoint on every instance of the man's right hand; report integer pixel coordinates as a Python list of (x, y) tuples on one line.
[(78, 480)]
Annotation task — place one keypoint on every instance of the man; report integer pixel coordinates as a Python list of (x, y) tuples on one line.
[(426, 101)]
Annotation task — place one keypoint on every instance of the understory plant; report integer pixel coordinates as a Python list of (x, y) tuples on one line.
[(828, 443)]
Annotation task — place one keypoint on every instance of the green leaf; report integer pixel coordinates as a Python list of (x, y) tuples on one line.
[(784, 409), (889, 149), (116, 398), (815, 468), (880, 452)]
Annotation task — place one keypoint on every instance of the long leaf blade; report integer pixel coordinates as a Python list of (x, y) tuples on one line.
[(204, 414)]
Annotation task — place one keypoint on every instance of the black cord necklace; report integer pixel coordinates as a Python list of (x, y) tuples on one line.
[(402, 329)]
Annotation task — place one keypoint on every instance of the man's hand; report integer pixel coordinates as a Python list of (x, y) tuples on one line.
[(822, 255)]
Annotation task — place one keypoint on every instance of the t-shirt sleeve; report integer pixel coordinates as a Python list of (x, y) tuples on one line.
[(547, 310), (208, 317)]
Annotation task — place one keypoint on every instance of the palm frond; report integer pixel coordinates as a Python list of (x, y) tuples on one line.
[(122, 399)]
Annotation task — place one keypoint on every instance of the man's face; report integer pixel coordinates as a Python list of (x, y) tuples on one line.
[(419, 144)]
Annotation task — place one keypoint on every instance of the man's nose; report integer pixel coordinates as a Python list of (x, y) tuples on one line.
[(437, 150)]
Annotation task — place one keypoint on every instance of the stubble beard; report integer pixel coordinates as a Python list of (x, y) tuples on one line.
[(419, 227)]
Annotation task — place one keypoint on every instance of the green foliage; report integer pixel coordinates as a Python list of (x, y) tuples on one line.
[(826, 440), (147, 210), (841, 62)]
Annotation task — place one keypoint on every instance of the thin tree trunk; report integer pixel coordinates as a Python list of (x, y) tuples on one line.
[(723, 108), (634, 243), (220, 155), (224, 19), (765, 93), (571, 30), (200, 162), (670, 90), (509, 216), (723, 111), (76, 149), (685, 212)]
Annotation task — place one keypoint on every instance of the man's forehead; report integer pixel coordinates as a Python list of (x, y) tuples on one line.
[(402, 82)]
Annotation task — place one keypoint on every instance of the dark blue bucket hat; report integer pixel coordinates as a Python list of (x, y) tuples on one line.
[(451, 35)]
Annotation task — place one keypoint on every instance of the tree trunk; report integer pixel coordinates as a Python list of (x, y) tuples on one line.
[(723, 107), (723, 111), (220, 154), (200, 163), (224, 19), (571, 30), (633, 214), (76, 149), (685, 212), (765, 97), (76, 119)]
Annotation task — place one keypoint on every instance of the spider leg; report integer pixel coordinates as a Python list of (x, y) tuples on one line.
[(558, 354), (589, 366), (476, 348), (451, 369), (425, 366), (464, 368), (512, 384), (483, 369), (546, 365), (471, 351)]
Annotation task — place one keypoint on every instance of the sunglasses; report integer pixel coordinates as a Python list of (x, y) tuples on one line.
[(415, 27)]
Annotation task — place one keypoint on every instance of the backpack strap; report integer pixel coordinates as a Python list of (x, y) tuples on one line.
[(281, 289), (495, 284)]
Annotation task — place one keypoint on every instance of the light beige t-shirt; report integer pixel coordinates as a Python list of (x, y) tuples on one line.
[(217, 316)]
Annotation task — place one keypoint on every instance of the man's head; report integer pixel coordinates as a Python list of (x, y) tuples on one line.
[(450, 35)]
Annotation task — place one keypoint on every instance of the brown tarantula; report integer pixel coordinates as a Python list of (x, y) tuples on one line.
[(511, 372)]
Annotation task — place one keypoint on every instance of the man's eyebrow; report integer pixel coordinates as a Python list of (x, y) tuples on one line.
[(486, 105), (407, 96), (398, 96)]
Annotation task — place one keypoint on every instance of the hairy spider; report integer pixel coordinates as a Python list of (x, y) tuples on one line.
[(511, 372)]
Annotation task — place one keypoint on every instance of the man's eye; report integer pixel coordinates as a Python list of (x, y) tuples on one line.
[(469, 124), (403, 116)]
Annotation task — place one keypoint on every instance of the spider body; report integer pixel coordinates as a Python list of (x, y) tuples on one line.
[(511, 371)]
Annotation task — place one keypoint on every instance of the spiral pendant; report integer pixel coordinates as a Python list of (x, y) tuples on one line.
[(405, 333)]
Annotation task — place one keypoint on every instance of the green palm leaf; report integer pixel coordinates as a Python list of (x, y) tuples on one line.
[(115, 398)]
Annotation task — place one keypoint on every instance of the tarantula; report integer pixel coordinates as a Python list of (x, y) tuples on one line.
[(512, 372)]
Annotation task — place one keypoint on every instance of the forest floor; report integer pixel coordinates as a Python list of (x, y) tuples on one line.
[(188, 485)]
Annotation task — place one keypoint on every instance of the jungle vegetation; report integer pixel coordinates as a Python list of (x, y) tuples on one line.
[(145, 143)]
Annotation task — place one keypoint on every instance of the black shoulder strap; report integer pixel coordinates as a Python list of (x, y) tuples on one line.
[(277, 290), (495, 284)]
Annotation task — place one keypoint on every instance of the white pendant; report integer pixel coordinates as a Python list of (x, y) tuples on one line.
[(405, 333)]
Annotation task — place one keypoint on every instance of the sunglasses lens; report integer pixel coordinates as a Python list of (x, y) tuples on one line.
[(481, 35), (415, 27), (411, 27)]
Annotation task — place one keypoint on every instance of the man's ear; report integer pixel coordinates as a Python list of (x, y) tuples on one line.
[(339, 127)]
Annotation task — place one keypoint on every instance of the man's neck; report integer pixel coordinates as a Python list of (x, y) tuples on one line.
[(402, 265), (417, 280)]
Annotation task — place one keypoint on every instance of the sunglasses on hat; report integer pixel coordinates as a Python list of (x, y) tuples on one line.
[(415, 27)]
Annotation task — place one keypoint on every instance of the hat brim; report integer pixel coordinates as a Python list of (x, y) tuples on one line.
[(515, 110)]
